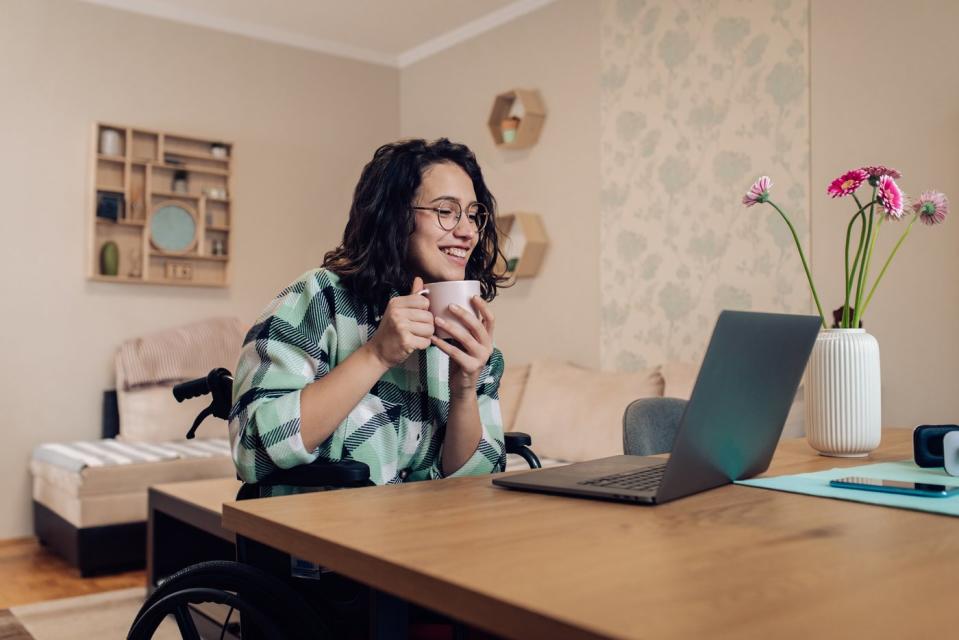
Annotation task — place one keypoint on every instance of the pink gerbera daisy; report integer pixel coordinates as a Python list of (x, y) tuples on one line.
[(847, 183), (879, 171), (759, 192), (932, 207), (890, 197)]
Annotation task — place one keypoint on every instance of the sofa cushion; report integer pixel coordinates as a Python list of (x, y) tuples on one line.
[(511, 387), (679, 379), (574, 413), (152, 414)]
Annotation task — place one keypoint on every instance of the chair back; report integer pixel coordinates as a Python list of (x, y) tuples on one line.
[(650, 425)]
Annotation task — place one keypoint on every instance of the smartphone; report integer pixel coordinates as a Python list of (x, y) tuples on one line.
[(896, 486)]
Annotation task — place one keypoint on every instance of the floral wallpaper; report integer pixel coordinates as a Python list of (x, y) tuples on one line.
[(698, 98)]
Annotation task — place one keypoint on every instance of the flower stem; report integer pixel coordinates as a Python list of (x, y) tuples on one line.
[(844, 324), (864, 267), (889, 260), (802, 256)]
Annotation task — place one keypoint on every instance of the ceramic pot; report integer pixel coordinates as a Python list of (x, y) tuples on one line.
[(110, 259), (843, 394)]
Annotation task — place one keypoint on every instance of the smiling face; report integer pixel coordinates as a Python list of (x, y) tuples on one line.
[(434, 253)]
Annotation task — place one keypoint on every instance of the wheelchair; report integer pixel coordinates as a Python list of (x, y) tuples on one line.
[(259, 586)]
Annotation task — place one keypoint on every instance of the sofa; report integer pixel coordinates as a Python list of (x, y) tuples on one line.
[(90, 497)]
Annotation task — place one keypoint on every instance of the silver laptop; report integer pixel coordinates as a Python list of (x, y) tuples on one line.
[(729, 428)]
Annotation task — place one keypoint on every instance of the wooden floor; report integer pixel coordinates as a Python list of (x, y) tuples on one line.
[(30, 573)]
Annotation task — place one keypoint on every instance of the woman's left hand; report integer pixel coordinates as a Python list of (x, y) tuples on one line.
[(475, 345)]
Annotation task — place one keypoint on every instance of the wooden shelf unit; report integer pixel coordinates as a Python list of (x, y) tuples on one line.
[(143, 174)]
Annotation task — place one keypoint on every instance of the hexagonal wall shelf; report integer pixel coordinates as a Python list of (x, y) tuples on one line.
[(517, 118), (523, 241)]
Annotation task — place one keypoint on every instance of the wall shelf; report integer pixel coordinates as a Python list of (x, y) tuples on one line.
[(144, 178), (523, 241), (526, 108)]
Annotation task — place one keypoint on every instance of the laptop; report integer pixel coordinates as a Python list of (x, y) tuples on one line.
[(728, 430)]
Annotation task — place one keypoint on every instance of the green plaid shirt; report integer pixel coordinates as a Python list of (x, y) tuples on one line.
[(397, 428)]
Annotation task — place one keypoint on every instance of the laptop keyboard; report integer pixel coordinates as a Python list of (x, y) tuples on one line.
[(644, 479)]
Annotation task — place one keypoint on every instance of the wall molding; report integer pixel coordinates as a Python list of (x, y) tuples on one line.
[(470, 30), (162, 10)]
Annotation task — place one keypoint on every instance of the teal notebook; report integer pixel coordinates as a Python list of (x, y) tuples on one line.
[(817, 484)]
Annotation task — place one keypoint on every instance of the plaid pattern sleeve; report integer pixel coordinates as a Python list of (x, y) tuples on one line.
[(490, 454), (396, 428), (287, 348)]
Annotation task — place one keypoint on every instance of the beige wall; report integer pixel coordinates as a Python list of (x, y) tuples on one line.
[(885, 90), (554, 50), (303, 124)]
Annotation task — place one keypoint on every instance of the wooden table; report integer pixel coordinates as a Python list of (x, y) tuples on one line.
[(183, 525), (733, 562), (183, 528)]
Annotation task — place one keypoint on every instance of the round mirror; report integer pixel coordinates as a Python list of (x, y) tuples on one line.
[(173, 227)]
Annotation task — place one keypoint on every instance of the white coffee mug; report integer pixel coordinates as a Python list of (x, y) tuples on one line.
[(442, 294)]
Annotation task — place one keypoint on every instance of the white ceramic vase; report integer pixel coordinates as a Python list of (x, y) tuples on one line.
[(843, 394)]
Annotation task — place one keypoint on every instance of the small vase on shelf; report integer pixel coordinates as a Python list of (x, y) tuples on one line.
[(509, 127), (109, 259)]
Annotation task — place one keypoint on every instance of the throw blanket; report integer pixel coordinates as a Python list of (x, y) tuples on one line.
[(189, 351)]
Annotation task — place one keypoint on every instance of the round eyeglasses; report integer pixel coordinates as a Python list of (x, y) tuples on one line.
[(449, 214)]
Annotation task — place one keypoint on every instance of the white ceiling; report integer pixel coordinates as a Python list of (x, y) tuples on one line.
[(389, 32)]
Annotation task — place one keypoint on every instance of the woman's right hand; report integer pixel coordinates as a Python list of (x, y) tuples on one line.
[(406, 326)]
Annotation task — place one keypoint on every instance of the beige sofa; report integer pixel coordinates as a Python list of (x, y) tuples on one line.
[(574, 413)]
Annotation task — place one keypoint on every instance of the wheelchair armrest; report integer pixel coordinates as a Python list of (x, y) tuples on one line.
[(321, 473), (518, 442)]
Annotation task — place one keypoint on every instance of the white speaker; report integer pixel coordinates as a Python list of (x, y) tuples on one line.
[(950, 452)]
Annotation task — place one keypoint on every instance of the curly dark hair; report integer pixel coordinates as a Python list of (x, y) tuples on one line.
[(371, 260)]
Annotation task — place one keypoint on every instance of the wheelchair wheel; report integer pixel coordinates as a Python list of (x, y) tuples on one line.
[(268, 607)]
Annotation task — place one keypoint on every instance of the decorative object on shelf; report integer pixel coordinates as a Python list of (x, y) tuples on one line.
[(128, 195), (136, 267), (522, 238), (214, 193), (525, 108), (843, 382), (136, 203), (218, 150), (217, 248), (176, 270), (509, 127), (111, 142), (109, 205), (109, 258), (173, 227), (180, 184)]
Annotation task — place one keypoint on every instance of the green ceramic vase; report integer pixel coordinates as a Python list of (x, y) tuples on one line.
[(110, 259)]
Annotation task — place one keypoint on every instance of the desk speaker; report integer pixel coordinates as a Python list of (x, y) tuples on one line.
[(927, 443), (950, 453)]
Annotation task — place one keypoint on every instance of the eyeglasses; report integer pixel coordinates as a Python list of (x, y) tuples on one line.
[(449, 214)]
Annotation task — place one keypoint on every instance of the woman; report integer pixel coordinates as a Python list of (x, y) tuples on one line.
[(344, 362)]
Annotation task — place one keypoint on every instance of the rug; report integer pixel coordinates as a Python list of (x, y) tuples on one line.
[(99, 615)]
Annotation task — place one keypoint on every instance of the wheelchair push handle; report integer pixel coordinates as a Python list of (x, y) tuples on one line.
[(218, 382), (191, 389)]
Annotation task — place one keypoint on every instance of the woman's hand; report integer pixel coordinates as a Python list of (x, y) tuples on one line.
[(406, 326), (475, 345)]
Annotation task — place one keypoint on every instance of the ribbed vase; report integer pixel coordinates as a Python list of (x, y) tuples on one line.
[(843, 394)]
